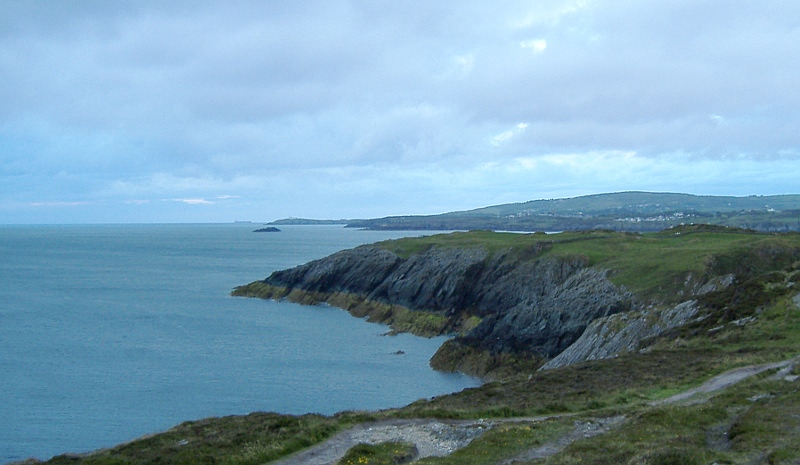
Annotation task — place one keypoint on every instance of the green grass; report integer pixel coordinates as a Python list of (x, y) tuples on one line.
[(485, 240), (650, 265), (610, 384), (386, 453), (664, 435), (773, 421), (759, 418), (503, 442), (656, 264), (234, 440)]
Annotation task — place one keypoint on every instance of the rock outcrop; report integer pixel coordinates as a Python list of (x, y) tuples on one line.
[(606, 337), (537, 303), (534, 307), (609, 336), (549, 319)]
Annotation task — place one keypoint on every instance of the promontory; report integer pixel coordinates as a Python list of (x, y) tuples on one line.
[(526, 301)]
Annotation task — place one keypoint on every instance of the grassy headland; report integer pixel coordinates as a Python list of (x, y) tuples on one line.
[(650, 264)]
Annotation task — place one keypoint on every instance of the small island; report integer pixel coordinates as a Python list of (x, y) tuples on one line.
[(267, 229)]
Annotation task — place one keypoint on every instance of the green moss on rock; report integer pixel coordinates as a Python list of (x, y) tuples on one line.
[(453, 356)]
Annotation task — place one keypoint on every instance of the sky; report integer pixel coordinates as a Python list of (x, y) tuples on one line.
[(207, 111)]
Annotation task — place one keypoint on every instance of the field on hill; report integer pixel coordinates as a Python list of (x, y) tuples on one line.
[(623, 211)]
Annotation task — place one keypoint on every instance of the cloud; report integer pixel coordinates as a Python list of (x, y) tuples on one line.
[(192, 201), (505, 136), (536, 45), (460, 67), (58, 204), (548, 13), (108, 102)]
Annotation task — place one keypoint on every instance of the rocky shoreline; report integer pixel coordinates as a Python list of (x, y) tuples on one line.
[(509, 310)]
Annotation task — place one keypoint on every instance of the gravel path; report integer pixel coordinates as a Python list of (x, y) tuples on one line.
[(722, 381), (440, 437), (432, 438)]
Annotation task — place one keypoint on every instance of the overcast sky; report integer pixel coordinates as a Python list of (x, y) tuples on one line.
[(194, 111)]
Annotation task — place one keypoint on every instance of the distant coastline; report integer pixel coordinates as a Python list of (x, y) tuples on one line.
[(621, 211), (308, 222)]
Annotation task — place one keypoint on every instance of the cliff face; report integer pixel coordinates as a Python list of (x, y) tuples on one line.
[(357, 271), (532, 307), (566, 298), (610, 335)]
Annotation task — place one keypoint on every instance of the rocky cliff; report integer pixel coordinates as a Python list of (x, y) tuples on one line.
[(517, 302), (609, 336), (501, 303)]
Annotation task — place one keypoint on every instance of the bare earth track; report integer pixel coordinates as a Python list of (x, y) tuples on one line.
[(432, 438), (440, 438)]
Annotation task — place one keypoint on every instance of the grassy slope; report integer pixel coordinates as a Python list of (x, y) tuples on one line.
[(651, 265), (757, 419)]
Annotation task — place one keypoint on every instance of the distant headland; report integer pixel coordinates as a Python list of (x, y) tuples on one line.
[(622, 211)]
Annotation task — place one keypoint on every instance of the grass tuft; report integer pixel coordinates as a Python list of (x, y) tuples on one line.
[(386, 453)]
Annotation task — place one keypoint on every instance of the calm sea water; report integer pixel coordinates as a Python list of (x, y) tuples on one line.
[(108, 333)]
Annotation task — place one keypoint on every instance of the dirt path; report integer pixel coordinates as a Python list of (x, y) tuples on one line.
[(432, 438), (581, 430), (441, 437), (722, 381)]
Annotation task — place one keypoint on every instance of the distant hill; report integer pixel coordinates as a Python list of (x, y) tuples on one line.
[(623, 211)]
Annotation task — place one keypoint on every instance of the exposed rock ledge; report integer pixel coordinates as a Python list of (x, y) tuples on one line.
[(607, 337), (507, 311), (622, 332)]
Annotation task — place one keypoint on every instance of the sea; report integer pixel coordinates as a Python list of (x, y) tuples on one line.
[(112, 332)]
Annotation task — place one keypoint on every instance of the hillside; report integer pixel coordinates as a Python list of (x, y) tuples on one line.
[(597, 347), (625, 211)]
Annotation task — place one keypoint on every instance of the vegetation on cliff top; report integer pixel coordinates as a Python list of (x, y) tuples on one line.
[(649, 264)]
